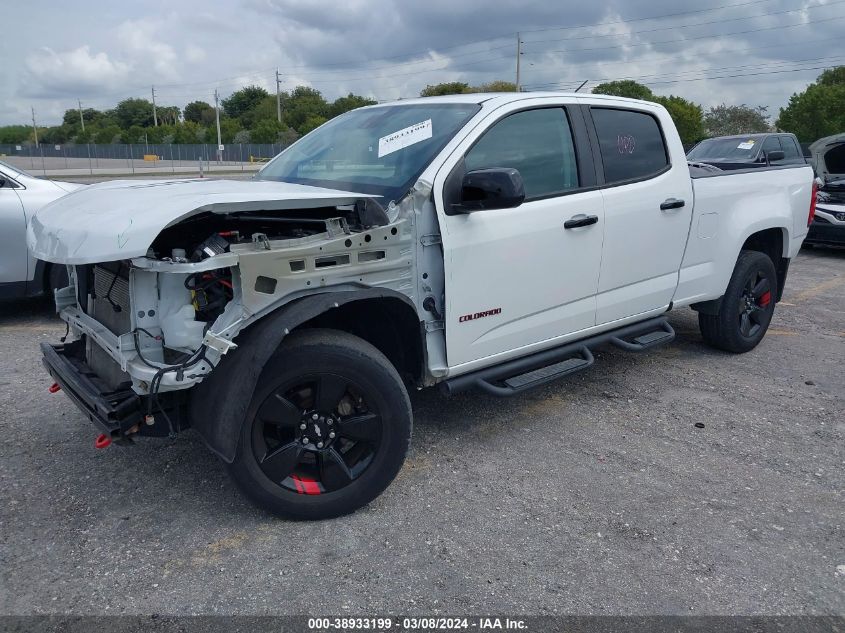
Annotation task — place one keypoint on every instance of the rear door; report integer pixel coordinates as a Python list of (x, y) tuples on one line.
[(517, 278), (648, 202)]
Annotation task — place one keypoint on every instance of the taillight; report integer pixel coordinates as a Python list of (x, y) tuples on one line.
[(813, 203)]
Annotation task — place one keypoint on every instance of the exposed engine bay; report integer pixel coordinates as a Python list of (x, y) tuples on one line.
[(161, 322)]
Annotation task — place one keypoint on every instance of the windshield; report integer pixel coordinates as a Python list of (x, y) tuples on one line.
[(725, 149), (378, 150), (12, 171)]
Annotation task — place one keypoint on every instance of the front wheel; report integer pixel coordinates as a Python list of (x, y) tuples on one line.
[(327, 430), (746, 308)]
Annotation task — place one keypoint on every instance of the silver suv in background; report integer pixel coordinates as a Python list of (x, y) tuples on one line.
[(21, 195)]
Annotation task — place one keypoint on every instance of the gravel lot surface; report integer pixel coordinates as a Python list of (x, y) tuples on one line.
[(596, 495)]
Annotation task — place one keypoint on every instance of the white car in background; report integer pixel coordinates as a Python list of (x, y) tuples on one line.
[(21, 195)]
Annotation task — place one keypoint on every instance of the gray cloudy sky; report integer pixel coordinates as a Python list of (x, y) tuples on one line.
[(102, 51)]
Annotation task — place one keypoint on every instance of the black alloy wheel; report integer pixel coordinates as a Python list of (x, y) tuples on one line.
[(754, 304), (316, 434), (327, 430), (746, 308)]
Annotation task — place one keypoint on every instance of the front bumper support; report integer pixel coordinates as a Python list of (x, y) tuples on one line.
[(115, 411)]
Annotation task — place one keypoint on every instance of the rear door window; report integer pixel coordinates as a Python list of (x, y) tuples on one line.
[(631, 145)]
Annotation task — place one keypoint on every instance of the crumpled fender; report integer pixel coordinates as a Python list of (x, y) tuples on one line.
[(219, 403)]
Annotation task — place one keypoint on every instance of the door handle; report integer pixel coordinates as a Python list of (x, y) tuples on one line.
[(580, 220), (671, 203)]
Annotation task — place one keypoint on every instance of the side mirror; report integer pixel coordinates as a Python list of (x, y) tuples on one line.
[(775, 156), (2, 180), (495, 188)]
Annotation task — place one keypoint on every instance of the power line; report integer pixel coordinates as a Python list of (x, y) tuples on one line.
[(731, 76), (762, 65)]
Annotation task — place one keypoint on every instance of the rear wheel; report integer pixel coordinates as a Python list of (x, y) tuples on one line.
[(327, 429), (746, 308)]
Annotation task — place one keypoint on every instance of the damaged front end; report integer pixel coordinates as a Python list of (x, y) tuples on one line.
[(153, 323)]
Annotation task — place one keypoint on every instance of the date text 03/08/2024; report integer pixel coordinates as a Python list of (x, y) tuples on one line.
[(416, 624)]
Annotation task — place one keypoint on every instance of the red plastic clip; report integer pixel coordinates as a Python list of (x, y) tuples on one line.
[(102, 441), (54, 387)]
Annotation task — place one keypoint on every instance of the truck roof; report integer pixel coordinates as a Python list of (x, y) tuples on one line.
[(506, 97)]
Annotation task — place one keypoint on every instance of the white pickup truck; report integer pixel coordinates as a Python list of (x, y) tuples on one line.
[(486, 241)]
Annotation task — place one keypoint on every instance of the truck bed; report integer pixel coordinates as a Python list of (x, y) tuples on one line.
[(732, 205)]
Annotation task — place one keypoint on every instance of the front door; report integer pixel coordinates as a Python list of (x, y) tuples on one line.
[(517, 277)]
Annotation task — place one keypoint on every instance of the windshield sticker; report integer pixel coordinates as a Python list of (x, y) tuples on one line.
[(410, 135), (746, 145)]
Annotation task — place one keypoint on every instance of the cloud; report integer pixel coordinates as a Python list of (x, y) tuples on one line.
[(73, 72), (140, 39), (194, 54), (392, 48)]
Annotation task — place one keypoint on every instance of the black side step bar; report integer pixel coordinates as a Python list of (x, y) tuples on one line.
[(521, 374), (647, 340)]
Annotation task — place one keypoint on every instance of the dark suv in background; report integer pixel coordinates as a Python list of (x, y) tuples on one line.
[(748, 151)]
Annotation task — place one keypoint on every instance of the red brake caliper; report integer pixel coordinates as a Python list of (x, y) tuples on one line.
[(305, 485), (765, 299)]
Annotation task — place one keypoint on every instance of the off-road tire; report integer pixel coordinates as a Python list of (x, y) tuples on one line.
[(727, 329)]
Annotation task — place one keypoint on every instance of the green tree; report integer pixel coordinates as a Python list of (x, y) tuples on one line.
[(188, 133), (84, 136), (108, 134), (725, 120), (687, 116), (264, 109), (131, 112), (53, 135), (498, 85), (819, 110), (266, 131), (168, 115), (625, 88), (135, 134), (347, 103), (312, 123), (162, 133), (71, 117), (14, 133), (195, 109), (228, 129), (447, 88), (243, 100), (300, 108)]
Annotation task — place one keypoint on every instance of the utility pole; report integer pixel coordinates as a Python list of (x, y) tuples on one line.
[(81, 118), (278, 96), (217, 117), (34, 128), (155, 117), (518, 55)]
